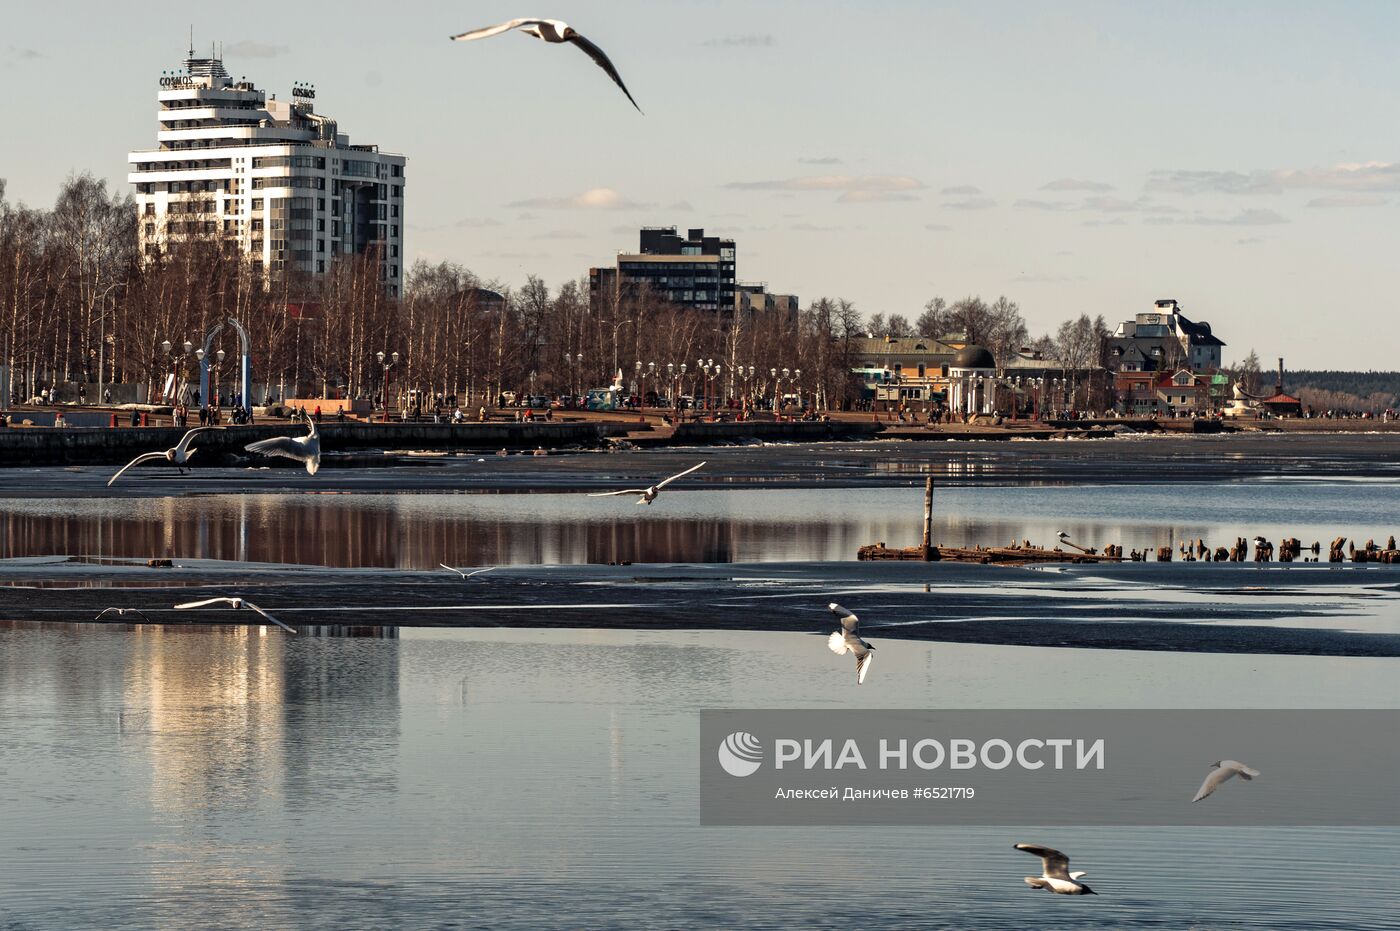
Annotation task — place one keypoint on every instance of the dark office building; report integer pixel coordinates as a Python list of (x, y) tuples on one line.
[(693, 271)]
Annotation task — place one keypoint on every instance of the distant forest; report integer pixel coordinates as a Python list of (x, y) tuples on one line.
[(1344, 391)]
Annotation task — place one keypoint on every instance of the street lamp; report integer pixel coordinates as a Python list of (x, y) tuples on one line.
[(384, 389)]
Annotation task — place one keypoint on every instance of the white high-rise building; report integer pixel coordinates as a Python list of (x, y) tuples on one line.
[(272, 175)]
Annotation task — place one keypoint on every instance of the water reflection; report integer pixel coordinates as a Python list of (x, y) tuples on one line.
[(223, 778), (419, 531)]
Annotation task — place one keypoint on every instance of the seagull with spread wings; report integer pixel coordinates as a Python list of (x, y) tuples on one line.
[(846, 640), (648, 495), (121, 612), (1054, 873), (179, 454), (552, 30), (305, 449), (236, 604), (465, 575), (1224, 769)]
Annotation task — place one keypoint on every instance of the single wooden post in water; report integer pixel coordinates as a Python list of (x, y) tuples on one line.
[(928, 519)]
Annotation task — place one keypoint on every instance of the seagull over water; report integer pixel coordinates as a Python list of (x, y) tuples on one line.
[(305, 449), (846, 640), (648, 495), (1224, 769), (179, 454), (1054, 872), (121, 612), (237, 604), (465, 575), (552, 30)]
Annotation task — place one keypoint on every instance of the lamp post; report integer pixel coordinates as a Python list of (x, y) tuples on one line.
[(165, 347), (574, 362), (617, 326), (388, 363), (677, 392)]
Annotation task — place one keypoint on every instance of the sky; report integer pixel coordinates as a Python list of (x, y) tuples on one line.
[(1077, 157)]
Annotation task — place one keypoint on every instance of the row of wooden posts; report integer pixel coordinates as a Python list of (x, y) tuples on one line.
[(1291, 549)]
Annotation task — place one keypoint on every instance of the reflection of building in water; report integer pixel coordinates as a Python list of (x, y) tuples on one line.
[(238, 713), (408, 531), (212, 696)]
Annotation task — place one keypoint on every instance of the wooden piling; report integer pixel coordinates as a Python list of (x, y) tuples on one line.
[(928, 519)]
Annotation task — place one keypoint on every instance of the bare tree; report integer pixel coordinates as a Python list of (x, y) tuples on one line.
[(933, 322)]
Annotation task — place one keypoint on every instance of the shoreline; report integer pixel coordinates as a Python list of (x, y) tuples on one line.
[(1137, 460), (366, 444)]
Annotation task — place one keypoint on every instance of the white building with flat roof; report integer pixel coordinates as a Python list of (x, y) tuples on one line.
[(272, 175)]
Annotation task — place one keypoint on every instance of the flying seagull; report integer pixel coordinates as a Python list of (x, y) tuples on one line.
[(1223, 770), (121, 612), (1054, 872), (846, 640), (648, 494), (237, 604), (305, 449), (465, 575), (552, 30), (179, 454)]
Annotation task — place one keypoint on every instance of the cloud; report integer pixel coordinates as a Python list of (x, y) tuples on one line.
[(1116, 221), (972, 203), (821, 160), (873, 197), (1043, 279), (598, 198), (1026, 204), (559, 234), (748, 40), (250, 48), (22, 54), (854, 189), (965, 190), (814, 228), (938, 228), (1099, 204), (1251, 217), (832, 183), (682, 206), (472, 223), (1248, 241), (1349, 200), (1073, 184), (1365, 176)]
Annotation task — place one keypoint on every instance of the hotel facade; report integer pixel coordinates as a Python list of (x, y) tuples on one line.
[(274, 176)]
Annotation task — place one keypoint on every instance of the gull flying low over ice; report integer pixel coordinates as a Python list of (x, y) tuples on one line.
[(846, 640), (305, 449), (648, 494), (237, 604), (1223, 770), (1054, 872), (465, 575), (179, 454), (552, 30), (120, 612)]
